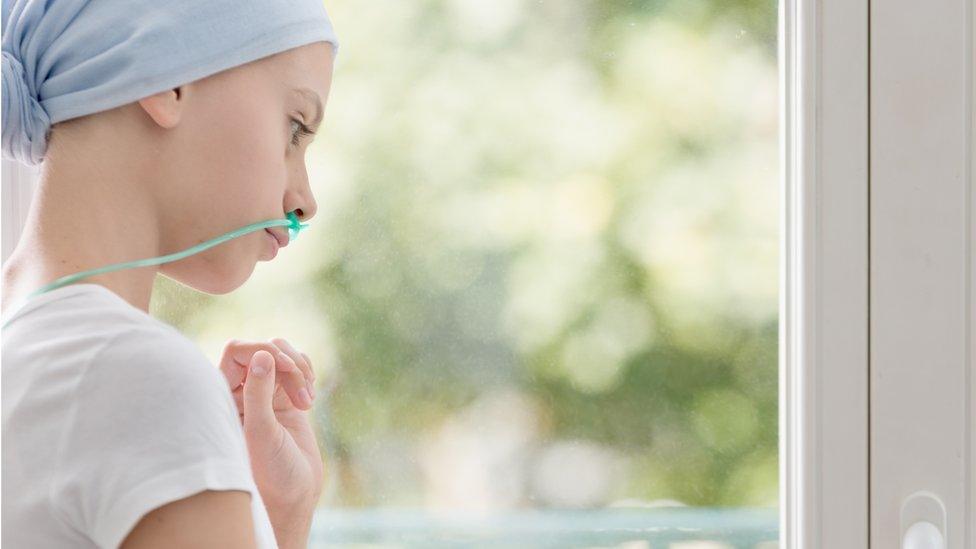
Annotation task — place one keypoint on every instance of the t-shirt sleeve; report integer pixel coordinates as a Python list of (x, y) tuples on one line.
[(152, 421)]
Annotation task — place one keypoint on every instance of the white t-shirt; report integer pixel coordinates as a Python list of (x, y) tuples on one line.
[(109, 413)]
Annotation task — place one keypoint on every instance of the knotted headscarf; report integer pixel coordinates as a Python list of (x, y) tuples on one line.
[(67, 58)]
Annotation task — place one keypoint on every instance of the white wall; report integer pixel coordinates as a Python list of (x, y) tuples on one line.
[(17, 184)]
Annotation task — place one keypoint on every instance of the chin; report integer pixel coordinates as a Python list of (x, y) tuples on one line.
[(210, 280)]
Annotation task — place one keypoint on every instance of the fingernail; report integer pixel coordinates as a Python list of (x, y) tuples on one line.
[(304, 394), (258, 369)]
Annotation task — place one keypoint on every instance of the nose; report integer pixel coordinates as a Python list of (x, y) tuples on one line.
[(305, 212), (300, 200), (300, 213)]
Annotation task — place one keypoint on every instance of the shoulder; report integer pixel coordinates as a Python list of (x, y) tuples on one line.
[(148, 386), (146, 358), (79, 320), (151, 385), (151, 421)]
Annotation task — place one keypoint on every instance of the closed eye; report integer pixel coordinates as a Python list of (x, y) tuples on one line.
[(300, 132)]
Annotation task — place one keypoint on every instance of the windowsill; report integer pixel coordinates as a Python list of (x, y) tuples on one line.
[(637, 528)]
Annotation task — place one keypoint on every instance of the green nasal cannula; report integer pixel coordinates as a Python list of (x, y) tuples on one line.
[(291, 221)]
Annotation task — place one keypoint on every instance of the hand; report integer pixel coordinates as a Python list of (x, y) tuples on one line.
[(284, 454)]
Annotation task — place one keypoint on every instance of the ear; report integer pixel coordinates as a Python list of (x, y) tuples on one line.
[(165, 108)]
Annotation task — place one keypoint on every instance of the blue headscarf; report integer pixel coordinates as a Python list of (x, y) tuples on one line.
[(67, 58)]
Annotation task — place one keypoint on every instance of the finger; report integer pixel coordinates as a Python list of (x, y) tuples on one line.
[(237, 354), (238, 395), (240, 351), (290, 375), (299, 358), (234, 370), (309, 361), (312, 370), (260, 424), (296, 356), (294, 382)]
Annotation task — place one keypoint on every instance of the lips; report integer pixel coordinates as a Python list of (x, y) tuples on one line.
[(281, 238)]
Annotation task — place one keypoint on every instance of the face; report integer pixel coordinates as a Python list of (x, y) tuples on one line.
[(239, 146)]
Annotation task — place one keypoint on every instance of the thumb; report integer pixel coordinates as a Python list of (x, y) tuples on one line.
[(260, 423)]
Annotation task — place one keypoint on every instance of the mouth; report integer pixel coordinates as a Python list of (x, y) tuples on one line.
[(273, 244), (281, 239)]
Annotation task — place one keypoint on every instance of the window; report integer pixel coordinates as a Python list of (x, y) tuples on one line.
[(543, 280)]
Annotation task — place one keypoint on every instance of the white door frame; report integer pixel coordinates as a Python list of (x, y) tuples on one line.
[(922, 303), (824, 280)]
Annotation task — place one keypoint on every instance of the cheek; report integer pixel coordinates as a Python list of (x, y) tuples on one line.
[(252, 156), (240, 154)]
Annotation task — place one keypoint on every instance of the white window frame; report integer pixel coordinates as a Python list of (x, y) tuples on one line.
[(923, 383), (824, 349)]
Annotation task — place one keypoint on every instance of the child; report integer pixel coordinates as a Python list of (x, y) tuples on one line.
[(160, 124)]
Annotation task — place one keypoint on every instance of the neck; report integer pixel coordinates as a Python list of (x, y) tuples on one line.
[(89, 218)]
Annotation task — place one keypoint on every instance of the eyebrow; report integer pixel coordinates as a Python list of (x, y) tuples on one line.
[(313, 98)]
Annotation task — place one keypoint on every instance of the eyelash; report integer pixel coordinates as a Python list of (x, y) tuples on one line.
[(303, 130)]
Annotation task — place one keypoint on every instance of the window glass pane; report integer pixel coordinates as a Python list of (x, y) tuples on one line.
[(540, 291)]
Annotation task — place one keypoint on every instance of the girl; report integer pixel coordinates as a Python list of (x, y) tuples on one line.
[(158, 126)]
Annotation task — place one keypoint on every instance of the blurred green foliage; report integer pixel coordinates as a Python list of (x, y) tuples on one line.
[(544, 267)]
